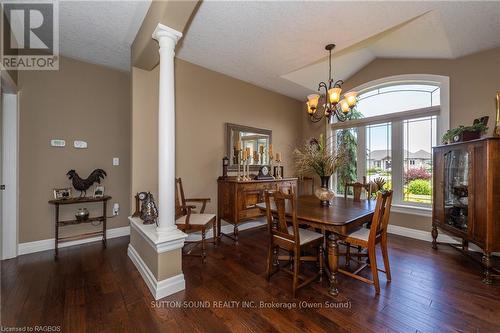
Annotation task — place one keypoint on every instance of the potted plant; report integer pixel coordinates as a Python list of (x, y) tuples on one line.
[(316, 157), (467, 133)]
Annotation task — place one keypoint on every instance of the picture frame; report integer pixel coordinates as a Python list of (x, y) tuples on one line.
[(62, 193), (98, 191)]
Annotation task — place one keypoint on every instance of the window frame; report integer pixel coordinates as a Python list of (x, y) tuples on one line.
[(397, 133)]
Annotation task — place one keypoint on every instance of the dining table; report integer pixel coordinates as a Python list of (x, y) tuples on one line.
[(342, 216)]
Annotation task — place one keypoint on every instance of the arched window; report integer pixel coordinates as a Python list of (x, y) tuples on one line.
[(398, 124)]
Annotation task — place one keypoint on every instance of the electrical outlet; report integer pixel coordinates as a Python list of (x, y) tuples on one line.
[(116, 161), (116, 208)]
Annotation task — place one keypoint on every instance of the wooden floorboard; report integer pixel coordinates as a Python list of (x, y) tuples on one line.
[(94, 290)]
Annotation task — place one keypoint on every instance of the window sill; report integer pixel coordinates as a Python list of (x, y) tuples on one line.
[(412, 210)]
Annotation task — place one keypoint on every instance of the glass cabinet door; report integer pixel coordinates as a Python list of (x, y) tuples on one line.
[(456, 188)]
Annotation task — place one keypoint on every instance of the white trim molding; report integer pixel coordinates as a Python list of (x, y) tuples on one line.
[(159, 289), (48, 244), (426, 236), (229, 228), (160, 241), (419, 234)]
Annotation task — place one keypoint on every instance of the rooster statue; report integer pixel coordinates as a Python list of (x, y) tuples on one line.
[(83, 185)]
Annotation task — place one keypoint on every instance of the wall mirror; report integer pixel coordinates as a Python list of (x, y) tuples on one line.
[(258, 141)]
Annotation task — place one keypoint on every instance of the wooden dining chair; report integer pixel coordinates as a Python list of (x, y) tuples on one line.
[(357, 189), (188, 221), (306, 185), (369, 238), (290, 238)]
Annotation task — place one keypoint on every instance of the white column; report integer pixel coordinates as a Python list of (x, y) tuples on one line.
[(167, 39)]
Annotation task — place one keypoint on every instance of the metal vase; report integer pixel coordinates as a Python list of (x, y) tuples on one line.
[(149, 211)]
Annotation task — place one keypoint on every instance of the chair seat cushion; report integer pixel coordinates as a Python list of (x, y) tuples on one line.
[(361, 234), (306, 235), (196, 219)]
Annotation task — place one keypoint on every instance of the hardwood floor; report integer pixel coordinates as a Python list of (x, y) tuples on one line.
[(95, 290)]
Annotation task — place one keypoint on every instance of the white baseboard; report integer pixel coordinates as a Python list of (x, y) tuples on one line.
[(159, 289), (48, 244), (426, 236), (419, 234), (228, 229)]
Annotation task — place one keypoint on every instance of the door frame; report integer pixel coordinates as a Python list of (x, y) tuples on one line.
[(10, 167)]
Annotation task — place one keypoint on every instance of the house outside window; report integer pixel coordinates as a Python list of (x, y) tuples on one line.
[(400, 124)]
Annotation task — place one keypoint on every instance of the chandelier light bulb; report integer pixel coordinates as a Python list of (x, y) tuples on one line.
[(334, 95), (313, 101), (344, 105), (351, 99)]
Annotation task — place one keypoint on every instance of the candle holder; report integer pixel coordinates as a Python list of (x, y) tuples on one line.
[(262, 157), (246, 169), (271, 157), (278, 170), (237, 161)]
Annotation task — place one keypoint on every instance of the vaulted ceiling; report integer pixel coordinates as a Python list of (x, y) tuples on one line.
[(100, 32), (280, 45)]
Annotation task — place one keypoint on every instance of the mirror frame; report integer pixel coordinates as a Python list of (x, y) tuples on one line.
[(242, 128)]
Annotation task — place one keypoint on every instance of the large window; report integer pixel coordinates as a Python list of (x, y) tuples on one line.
[(395, 135)]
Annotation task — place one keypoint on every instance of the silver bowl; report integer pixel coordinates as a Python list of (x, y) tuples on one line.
[(82, 214)]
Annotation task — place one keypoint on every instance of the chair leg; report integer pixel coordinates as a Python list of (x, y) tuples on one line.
[(385, 255), (235, 233), (373, 264), (214, 228), (296, 268), (270, 261), (203, 252), (321, 262), (347, 255)]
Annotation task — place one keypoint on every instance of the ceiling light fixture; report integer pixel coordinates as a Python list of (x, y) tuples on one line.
[(329, 103)]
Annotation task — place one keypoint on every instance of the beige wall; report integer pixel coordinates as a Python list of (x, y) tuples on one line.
[(205, 101), (80, 101)]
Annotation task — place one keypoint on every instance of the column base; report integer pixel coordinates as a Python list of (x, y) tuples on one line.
[(158, 257), (158, 289)]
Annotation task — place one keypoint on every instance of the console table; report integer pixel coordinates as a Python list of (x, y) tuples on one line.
[(71, 201), (237, 200)]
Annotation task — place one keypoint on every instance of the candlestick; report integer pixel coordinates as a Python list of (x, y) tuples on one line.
[(271, 161), (261, 149), (255, 157), (237, 162)]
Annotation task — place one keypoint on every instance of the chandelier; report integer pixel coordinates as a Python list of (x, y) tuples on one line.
[(329, 103)]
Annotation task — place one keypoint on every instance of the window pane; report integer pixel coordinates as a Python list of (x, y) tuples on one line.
[(347, 173), (379, 154), (419, 137), (397, 98)]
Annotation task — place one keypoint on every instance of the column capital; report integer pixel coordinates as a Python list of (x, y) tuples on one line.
[(164, 31)]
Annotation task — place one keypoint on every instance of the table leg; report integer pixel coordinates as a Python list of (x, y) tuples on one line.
[(56, 239), (104, 213), (333, 262)]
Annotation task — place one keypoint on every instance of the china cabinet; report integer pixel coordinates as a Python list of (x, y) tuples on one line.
[(467, 196)]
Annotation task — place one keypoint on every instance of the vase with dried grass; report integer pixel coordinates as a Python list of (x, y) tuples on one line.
[(317, 156)]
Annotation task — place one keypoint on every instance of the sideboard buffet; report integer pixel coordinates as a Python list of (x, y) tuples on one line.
[(237, 200)]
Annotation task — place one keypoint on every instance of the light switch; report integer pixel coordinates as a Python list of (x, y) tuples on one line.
[(116, 161), (80, 144)]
